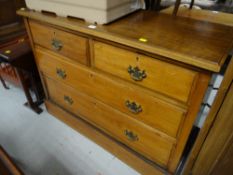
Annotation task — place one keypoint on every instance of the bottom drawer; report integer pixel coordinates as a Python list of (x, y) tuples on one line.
[(143, 139)]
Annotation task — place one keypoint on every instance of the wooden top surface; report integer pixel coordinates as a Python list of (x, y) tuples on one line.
[(198, 43), (15, 50)]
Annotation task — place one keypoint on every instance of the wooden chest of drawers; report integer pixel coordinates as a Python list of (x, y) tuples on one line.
[(137, 83)]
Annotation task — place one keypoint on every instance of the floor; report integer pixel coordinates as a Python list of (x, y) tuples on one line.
[(42, 145)]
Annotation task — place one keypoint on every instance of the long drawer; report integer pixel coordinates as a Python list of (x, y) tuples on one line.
[(139, 137), (131, 100), (67, 44), (166, 78)]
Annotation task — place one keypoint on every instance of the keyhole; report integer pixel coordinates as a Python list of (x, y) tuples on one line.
[(137, 61)]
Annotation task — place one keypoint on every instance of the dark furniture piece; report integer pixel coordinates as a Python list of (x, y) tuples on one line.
[(11, 25), (16, 58), (3, 82), (19, 55), (177, 5), (11, 28), (155, 5)]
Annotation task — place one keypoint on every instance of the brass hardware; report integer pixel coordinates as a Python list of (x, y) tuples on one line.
[(56, 44), (61, 73), (136, 74), (131, 136), (68, 100), (7, 52), (133, 107)]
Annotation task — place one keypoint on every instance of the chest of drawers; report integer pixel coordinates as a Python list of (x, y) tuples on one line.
[(136, 83)]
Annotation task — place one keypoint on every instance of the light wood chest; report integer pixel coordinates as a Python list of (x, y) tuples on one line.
[(134, 86)]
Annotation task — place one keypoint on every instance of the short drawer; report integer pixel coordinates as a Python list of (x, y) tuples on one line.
[(166, 78), (129, 98), (138, 137), (64, 43)]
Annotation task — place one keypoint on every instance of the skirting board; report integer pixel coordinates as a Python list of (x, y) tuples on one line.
[(106, 142)]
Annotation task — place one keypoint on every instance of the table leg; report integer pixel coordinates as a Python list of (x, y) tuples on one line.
[(26, 90), (35, 87), (191, 4), (3, 83), (177, 5)]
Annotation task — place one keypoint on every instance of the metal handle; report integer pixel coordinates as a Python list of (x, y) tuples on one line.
[(131, 136), (61, 73), (136, 74), (133, 107), (56, 44), (68, 100)]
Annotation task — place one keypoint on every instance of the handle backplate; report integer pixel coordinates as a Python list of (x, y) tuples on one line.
[(68, 100), (131, 136), (136, 74), (56, 44), (133, 107), (61, 73)]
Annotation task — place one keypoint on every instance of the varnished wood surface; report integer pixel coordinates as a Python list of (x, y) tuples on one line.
[(187, 41), (73, 46), (224, 165), (26, 23), (119, 150), (155, 112), (171, 80), (196, 100), (9, 33), (149, 143), (47, 65), (228, 77), (219, 140), (193, 42)]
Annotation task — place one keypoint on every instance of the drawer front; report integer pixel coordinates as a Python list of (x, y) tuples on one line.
[(129, 99), (168, 79), (129, 131), (67, 44)]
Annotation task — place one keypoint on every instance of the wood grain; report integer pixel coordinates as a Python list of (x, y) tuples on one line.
[(193, 42), (224, 165), (219, 138), (155, 112), (26, 23), (189, 48), (73, 46), (197, 97), (119, 150), (162, 77), (149, 143), (228, 77)]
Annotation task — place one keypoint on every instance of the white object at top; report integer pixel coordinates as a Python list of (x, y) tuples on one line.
[(100, 11)]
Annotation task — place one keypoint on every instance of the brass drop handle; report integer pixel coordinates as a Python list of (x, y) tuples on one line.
[(131, 136), (56, 44), (136, 74), (61, 73), (133, 107), (68, 100)]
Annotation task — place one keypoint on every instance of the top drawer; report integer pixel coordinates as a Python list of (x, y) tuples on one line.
[(67, 44), (168, 79)]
